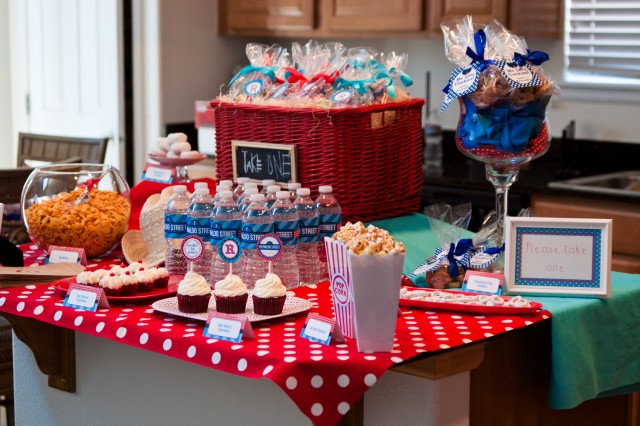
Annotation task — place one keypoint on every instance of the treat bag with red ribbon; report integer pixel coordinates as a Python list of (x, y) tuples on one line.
[(316, 68), (366, 290), (504, 90), (256, 80)]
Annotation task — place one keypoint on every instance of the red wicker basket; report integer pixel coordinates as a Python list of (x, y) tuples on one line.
[(372, 156)]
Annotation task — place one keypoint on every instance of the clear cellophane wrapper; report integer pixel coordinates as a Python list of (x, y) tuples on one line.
[(501, 45), (315, 72)]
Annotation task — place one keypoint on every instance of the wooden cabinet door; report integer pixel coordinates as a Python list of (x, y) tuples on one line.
[(373, 15), (266, 16), (481, 10), (539, 19)]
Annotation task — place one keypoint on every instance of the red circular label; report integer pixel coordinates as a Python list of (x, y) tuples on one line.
[(340, 289), (192, 248)]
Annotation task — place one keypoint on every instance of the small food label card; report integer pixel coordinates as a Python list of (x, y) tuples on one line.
[(320, 329), (58, 254), (158, 173), (85, 297), (227, 327), (482, 282)]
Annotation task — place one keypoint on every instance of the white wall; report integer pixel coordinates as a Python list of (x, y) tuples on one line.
[(196, 62), (7, 159)]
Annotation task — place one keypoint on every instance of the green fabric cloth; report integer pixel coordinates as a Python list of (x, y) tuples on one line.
[(595, 343)]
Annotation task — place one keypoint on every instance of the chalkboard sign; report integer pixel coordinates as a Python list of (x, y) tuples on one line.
[(261, 160)]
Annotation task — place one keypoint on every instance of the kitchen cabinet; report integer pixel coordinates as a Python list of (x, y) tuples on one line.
[(373, 15), (256, 17), (380, 18), (625, 215), (481, 10)]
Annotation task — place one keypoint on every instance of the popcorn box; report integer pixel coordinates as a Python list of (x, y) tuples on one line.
[(366, 290)]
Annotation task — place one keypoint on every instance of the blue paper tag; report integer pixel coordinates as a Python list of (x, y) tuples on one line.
[(199, 227), (341, 96), (222, 229), (329, 224), (288, 231), (278, 93), (462, 82), (309, 228), (160, 174), (253, 87), (224, 329), (85, 298), (482, 282), (230, 250)]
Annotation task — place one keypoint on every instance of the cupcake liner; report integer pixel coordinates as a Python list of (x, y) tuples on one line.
[(161, 282), (193, 304), (129, 289), (232, 304), (268, 305), (112, 291), (145, 287)]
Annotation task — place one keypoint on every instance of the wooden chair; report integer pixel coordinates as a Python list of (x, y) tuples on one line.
[(11, 183), (34, 149)]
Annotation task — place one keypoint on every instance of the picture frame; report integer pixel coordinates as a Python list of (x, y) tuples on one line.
[(558, 256)]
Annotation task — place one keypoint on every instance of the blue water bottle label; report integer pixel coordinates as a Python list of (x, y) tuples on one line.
[(309, 230), (175, 225), (329, 224), (251, 232), (200, 227), (222, 229), (288, 232)]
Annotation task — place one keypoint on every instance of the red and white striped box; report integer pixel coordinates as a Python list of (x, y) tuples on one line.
[(366, 290)]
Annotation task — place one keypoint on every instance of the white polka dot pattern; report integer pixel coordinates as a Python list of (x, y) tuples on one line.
[(324, 381)]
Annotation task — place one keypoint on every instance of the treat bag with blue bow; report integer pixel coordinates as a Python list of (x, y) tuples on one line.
[(394, 65), (501, 88), (359, 83), (447, 266), (255, 81)]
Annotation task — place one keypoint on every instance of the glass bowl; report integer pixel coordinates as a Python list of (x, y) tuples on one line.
[(76, 205)]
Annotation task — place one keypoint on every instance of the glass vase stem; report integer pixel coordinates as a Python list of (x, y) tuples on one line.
[(501, 177)]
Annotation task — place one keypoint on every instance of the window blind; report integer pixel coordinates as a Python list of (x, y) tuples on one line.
[(603, 37)]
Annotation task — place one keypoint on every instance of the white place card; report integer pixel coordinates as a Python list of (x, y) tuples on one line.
[(482, 282), (59, 254), (320, 329), (557, 256), (158, 173), (227, 327), (85, 297)]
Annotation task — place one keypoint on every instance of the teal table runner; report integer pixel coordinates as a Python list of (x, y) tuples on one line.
[(595, 344)]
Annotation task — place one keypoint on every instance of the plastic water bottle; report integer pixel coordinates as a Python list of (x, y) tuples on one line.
[(330, 215), (239, 190), (246, 200), (227, 182), (293, 187), (248, 185), (256, 221), (198, 223), (265, 185), (270, 198), (196, 186), (286, 227), (225, 222), (175, 229), (219, 189), (308, 245)]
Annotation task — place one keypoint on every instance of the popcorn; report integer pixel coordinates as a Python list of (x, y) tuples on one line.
[(369, 240)]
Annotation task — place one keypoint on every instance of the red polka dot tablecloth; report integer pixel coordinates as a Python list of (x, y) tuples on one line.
[(323, 381)]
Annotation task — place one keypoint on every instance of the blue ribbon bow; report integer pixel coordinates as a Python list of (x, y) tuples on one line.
[(267, 71), (480, 40), (359, 85), (494, 250), (458, 249), (536, 57)]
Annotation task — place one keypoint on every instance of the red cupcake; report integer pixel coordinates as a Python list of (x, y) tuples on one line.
[(193, 294)]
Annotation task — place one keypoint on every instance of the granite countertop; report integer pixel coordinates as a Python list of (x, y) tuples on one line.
[(565, 159)]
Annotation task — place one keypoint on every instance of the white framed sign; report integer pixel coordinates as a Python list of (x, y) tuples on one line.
[(558, 256)]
